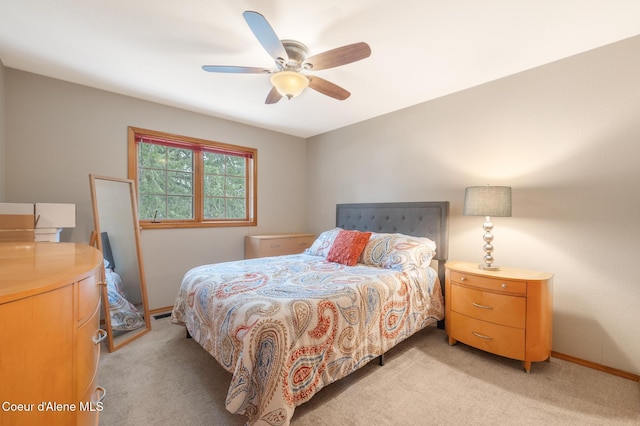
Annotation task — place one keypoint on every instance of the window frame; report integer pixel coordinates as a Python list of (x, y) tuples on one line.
[(198, 221)]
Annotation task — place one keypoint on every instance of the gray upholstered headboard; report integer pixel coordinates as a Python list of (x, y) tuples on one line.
[(421, 219)]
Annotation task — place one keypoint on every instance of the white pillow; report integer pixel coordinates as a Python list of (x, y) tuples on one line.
[(323, 243), (398, 251)]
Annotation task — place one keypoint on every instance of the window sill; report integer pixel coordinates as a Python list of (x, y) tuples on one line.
[(172, 225)]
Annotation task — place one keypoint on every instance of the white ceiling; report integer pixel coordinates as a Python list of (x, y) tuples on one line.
[(421, 49)]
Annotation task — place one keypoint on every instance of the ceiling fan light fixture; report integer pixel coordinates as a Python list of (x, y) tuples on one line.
[(289, 83)]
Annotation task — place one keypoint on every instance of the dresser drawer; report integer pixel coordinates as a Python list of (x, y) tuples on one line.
[(276, 245), (88, 354), (88, 296), (496, 284), (486, 306), (494, 338), (92, 405)]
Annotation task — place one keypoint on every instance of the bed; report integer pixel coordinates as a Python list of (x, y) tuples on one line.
[(287, 326)]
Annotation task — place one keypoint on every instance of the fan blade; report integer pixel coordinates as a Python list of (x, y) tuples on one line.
[(235, 70), (328, 88), (265, 35), (339, 56), (273, 96)]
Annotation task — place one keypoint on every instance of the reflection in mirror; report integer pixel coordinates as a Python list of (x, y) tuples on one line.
[(117, 236)]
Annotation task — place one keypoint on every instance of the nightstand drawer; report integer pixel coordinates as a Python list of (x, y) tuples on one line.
[(496, 308), (497, 284), (494, 338)]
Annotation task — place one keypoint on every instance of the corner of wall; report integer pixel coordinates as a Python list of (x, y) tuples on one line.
[(2, 132)]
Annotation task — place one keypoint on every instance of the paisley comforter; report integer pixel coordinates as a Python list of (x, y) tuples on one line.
[(124, 315), (286, 326)]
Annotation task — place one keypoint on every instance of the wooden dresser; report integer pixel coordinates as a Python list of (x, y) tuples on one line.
[(508, 312), (49, 333), (276, 245)]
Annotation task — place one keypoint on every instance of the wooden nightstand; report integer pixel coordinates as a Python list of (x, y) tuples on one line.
[(507, 312), (276, 245)]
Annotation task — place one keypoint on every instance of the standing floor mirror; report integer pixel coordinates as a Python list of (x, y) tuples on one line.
[(117, 236)]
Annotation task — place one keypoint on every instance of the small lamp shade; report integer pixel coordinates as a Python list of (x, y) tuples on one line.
[(487, 201)]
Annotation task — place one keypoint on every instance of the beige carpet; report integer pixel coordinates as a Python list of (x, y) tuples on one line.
[(165, 379)]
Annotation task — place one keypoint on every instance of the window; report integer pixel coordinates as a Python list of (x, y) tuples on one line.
[(187, 182)]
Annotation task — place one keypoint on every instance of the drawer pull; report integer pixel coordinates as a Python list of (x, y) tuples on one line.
[(482, 306), (274, 245), (482, 336), (99, 336), (103, 393), (463, 279), (102, 283), (503, 285)]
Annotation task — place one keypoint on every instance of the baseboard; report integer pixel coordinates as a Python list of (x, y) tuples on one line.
[(164, 312), (160, 310), (596, 366)]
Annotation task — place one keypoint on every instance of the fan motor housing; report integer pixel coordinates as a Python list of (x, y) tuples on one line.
[(297, 53)]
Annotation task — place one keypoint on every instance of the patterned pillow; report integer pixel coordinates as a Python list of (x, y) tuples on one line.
[(322, 244), (398, 251), (348, 246)]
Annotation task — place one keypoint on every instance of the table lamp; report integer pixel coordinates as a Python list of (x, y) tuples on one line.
[(487, 201)]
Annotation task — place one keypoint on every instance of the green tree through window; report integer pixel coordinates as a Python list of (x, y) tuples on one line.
[(187, 182)]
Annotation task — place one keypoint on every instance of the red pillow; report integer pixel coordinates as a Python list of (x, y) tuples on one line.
[(348, 246)]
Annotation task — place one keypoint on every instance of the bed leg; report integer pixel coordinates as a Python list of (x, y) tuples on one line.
[(381, 360)]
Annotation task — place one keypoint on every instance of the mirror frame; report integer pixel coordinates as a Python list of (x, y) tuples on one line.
[(96, 240)]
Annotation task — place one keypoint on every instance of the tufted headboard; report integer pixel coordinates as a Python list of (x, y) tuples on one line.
[(421, 219)]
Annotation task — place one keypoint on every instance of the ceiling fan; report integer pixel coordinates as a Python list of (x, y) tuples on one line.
[(291, 58)]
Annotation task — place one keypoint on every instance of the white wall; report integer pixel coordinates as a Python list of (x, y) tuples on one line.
[(566, 137), (58, 133)]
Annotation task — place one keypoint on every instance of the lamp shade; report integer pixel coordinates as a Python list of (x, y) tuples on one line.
[(289, 83), (487, 201)]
